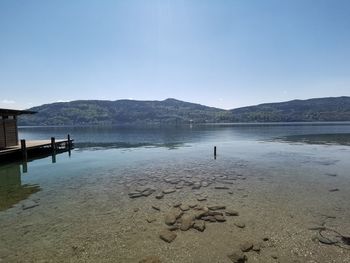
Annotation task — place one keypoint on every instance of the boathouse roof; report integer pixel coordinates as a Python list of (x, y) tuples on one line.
[(10, 112)]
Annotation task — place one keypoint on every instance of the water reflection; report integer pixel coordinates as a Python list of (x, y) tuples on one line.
[(12, 190), (336, 139)]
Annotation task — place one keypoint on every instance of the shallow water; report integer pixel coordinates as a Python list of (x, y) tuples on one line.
[(78, 208)]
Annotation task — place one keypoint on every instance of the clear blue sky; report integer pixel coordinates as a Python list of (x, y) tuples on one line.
[(219, 53)]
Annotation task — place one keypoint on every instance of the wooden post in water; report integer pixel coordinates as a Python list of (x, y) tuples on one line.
[(24, 150), (53, 144), (215, 152), (68, 139)]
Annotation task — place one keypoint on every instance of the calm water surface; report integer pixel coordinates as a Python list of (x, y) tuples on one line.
[(77, 209)]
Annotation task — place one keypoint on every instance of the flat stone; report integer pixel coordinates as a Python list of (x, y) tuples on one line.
[(230, 212), (169, 191), (239, 224), (135, 195), (177, 204), (246, 246), (220, 218), (150, 259), (199, 225), (192, 205), (147, 192), (215, 213), (237, 257), (200, 199), (257, 247), (172, 216), (151, 219), (173, 228), (184, 207), (217, 207), (221, 187), (334, 190), (155, 207), (167, 236), (205, 184), (186, 222), (160, 196), (209, 218)]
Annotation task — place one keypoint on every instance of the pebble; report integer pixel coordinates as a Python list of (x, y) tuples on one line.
[(150, 259), (172, 216), (220, 218), (257, 247), (186, 222), (199, 225), (231, 212), (151, 219), (167, 235), (334, 190), (237, 257), (160, 196), (221, 187), (184, 207), (177, 204), (240, 224), (246, 246), (200, 199), (169, 191), (156, 207), (217, 207)]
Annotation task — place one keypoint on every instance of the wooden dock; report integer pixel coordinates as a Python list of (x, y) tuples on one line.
[(25, 148)]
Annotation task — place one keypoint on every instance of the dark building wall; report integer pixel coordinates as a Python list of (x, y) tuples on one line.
[(8, 133)]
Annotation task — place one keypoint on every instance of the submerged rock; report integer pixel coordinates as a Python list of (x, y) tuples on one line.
[(217, 207), (237, 257), (186, 222), (246, 246), (160, 196), (199, 225), (169, 191), (231, 212), (239, 224), (167, 235), (221, 187)]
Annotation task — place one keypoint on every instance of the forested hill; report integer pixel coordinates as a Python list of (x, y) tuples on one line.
[(320, 109), (101, 112), (171, 111)]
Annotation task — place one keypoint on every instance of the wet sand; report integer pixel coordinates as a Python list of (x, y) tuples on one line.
[(91, 218)]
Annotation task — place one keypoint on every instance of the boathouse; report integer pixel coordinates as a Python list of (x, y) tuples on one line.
[(8, 127)]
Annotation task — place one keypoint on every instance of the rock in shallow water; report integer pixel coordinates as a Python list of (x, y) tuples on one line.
[(167, 235), (231, 212), (186, 222), (169, 191), (199, 225), (237, 257), (239, 224), (246, 246)]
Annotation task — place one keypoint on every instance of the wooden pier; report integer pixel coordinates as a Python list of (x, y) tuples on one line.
[(35, 147)]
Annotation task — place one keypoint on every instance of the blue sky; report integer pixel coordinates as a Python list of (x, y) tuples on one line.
[(225, 53)]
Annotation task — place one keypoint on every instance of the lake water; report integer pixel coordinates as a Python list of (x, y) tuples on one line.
[(290, 184)]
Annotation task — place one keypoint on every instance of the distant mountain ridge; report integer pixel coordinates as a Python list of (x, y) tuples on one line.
[(172, 111)]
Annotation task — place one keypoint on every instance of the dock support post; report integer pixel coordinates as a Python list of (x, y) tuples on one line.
[(69, 142), (53, 144), (215, 152), (24, 149)]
